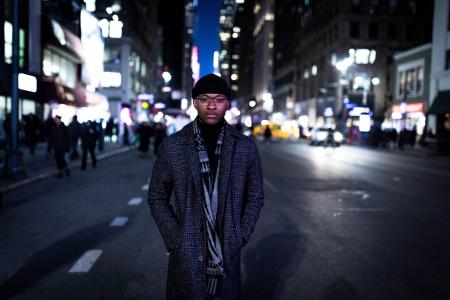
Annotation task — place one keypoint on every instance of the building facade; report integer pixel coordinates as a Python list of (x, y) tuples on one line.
[(410, 89), (439, 111), (344, 52)]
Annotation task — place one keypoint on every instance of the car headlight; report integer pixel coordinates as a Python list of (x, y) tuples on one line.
[(338, 137)]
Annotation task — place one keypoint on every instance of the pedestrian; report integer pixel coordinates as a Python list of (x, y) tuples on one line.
[(49, 124), (31, 130), (74, 132), (144, 137), (126, 135), (109, 129), (100, 135), (59, 141), (88, 142), (215, 174), (160, 134), (267, 134)]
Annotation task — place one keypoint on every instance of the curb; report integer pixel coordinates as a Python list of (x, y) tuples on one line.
[(47, 174)]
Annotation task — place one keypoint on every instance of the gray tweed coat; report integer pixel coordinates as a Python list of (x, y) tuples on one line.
[(181, 222)]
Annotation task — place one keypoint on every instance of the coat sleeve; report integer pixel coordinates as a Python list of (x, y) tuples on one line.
[(159, 192), (254, 196)]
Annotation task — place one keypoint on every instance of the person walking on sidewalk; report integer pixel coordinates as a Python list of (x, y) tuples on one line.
[(59, 141), (215, 174), (88, 141), (74, 131)]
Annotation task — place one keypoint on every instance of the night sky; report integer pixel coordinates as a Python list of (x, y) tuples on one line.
[(207, 33)]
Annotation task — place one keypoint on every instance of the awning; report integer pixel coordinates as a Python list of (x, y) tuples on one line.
[(441, 103)]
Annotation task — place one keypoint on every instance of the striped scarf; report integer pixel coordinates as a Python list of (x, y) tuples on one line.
[(210, 205)]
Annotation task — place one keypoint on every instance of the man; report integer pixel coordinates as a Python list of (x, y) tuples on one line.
[(59, 140), (88, 142), (74, 132), (215, 174)]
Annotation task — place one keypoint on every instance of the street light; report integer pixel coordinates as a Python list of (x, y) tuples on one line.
[(166, 76)]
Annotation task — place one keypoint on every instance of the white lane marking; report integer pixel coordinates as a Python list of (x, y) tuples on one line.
[(145, 187), (85, 263), (135, 201), (360, 209), (270, 185), (396, 179), (119, 221)]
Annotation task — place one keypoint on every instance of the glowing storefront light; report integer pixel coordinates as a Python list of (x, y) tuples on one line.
[(252, 103), (184, 104), (364, 123), (111, 79), (27, 83), (375, 81)]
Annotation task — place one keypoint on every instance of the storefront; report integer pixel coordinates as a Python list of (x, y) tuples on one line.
[(409, 116)]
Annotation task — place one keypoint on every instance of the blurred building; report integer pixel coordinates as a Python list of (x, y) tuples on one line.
[(439, 111), (29, 58), (241, 54), (130, 76), (54, 61), (410, 89), (172, 21), (190, 11), (342, 56), (263, 37), (227, 12), (287, 19)]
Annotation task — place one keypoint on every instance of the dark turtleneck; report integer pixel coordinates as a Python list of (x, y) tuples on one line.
[(210, 134)]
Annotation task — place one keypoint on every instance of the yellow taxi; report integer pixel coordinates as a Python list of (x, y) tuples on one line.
[(285, 130)]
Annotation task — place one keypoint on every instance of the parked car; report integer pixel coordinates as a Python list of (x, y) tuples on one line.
[(322, 135)]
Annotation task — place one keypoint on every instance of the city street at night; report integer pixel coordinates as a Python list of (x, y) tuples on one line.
[(338, 223)]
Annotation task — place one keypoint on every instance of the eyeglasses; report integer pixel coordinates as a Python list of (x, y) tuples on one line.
[(203, 100)]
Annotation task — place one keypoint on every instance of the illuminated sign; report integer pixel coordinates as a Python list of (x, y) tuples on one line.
[(410, 108), (27, 83), (364, 123)]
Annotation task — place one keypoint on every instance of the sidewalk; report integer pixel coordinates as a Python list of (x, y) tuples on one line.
[(40, 165)]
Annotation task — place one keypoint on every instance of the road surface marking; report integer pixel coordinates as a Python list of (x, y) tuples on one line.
[(85, 263), (135, 201), (145, 187), (119, 221), (361, 209), (397, 179), (270, 185)]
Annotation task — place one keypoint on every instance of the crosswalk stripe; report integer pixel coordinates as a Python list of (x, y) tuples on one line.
[(85, 263)]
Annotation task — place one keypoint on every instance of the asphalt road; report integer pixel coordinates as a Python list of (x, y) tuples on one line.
[(345, 223)]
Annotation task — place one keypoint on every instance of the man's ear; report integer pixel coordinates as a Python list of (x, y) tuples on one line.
[(195, 104)]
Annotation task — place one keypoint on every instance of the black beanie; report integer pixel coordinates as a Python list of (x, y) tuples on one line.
[(211, 84)]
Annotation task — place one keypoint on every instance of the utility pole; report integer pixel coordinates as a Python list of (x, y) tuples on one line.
[(14, 156)]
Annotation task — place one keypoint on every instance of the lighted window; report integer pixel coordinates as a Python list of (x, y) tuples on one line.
[(8, 37), (59, 67), (111, 79)]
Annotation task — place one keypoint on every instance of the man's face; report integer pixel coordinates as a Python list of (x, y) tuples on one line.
[(211, 108)]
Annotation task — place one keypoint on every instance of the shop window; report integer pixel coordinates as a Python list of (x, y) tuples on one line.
[(354, 29), (419, 81), (412, 80), (401, 81)]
